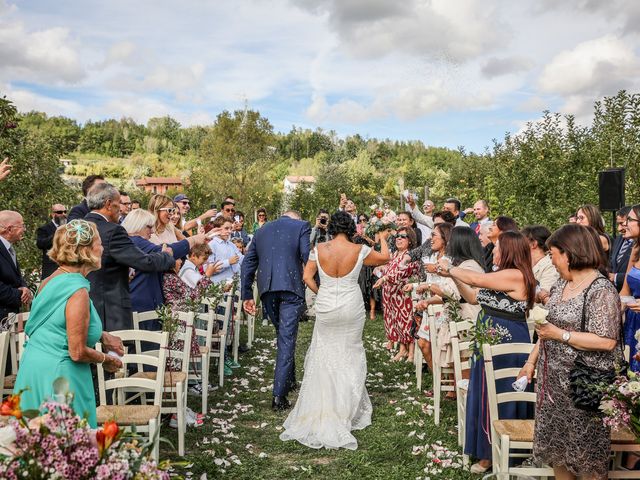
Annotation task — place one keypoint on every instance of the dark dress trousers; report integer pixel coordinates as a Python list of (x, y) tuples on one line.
[(44, 241), (79, 211), (10, 281), (276, 257), (619, 260), (110, 285)]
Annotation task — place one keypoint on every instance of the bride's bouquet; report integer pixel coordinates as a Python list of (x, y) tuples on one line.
[(380, 221)]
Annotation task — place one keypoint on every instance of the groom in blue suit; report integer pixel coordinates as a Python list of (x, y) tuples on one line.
[(277, 255)]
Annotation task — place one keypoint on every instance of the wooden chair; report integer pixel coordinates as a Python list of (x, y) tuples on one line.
[(236, 322), (461, 346), (219, 340), (145, 418), (15, 348), (443, 376), (4, 355), (509, 434), (205, 324), (242, 319), (174, 399)]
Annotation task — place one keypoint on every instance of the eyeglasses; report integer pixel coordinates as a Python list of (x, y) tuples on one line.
[(121, 203), (23, 226), (184, 202), (262, 215), (151, 226), (229, 210), (581, 217), (167, 209), (59, 212), (629, 219), (402, 235)]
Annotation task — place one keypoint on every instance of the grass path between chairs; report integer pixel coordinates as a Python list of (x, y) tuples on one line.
[(239, 439)]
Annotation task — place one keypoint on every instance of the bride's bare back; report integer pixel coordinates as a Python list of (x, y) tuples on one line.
[(338, 258)]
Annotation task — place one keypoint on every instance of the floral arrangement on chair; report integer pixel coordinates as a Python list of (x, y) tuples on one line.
[(60, 444), (620, 402), (485, 332)]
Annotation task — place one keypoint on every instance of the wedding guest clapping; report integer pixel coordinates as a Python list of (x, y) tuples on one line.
[(505, 297)]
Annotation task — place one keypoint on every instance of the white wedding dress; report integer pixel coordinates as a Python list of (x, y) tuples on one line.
[(333, 398)]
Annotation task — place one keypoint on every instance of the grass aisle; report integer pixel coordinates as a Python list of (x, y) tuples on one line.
[(240, 437)]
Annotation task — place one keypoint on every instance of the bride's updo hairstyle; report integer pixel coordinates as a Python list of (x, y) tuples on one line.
[(341, 222)]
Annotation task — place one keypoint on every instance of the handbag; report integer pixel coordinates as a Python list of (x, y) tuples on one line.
[(585, 380)]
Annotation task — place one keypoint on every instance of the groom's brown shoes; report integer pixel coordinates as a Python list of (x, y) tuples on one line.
[(280, 403)]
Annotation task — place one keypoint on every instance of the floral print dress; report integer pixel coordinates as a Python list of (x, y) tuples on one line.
[(397, 306)]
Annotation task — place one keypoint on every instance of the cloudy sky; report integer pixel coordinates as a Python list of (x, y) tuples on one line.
[(447, 72)]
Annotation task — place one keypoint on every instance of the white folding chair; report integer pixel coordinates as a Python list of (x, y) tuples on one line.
[(461, 345), (145, 418), (236, 319)]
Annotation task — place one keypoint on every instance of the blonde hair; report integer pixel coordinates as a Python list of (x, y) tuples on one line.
[(73, 244), (156, 202)]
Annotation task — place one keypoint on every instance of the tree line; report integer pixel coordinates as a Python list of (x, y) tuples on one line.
[(540, 175)]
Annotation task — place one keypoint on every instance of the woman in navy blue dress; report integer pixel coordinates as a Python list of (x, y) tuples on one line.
[(631, 288), (505, 296)]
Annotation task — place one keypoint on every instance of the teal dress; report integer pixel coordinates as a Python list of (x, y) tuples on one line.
[(46, 354)]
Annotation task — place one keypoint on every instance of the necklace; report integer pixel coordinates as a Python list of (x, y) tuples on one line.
[(65, 270), (579, 284)]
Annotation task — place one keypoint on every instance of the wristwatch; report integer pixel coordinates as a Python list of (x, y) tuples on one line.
[(566, 336)]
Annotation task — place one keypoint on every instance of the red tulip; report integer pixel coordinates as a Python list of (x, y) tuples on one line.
[(379, 213)]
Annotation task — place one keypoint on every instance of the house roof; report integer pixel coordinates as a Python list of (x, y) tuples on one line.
[(158, 181)]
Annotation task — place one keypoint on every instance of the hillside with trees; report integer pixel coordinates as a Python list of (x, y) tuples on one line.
[(539, 175)]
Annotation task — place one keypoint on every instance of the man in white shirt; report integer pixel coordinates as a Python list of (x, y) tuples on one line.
[(427, 208), (451, 205)]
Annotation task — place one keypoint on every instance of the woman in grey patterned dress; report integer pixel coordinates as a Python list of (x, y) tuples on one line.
[(573, 441)]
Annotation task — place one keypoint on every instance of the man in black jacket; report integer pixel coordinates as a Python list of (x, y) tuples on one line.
[(620, 250), (44, 238), (110, 285), (13, 289), (82, 209)]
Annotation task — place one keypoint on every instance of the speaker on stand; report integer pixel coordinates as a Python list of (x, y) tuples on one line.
[(611, 192)]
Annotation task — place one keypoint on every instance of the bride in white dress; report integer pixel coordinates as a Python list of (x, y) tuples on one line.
[(333, 398)]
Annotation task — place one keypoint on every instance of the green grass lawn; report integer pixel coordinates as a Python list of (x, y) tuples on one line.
[(240, 437)]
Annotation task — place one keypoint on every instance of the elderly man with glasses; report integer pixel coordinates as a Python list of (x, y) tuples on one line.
[(13, 289), (44, 238)]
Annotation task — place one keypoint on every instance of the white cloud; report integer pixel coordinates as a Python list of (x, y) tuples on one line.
[(497, 66), (26, 101), (38, 55), (597, 66)]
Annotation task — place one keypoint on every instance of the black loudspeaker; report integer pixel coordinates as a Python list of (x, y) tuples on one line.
[(611, 189)]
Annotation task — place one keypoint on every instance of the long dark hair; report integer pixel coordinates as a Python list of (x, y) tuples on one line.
[(465, 245), (516, 253)]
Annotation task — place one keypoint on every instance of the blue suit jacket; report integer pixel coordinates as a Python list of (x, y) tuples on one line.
[(277, 255), (146, 287)]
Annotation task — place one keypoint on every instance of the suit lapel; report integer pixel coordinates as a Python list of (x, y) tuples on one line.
[(5, 253)]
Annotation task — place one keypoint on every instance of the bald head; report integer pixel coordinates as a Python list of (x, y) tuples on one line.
[(11, 226), (292, 214)]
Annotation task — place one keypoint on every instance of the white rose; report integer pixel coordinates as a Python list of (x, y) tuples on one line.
[(633, 387), (538, 314)]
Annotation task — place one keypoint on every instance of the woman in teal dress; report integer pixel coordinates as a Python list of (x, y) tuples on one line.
[(63, 326)]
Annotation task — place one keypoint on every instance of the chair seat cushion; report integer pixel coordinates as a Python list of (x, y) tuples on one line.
[(170, 378), (517, 430), (127, 414), (204, 350), (10, 381), (623, 436)]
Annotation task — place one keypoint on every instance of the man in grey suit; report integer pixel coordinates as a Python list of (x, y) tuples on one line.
[(110, 285)]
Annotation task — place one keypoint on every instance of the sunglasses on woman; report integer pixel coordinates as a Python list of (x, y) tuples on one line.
[(170, 210), (402, 235)]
